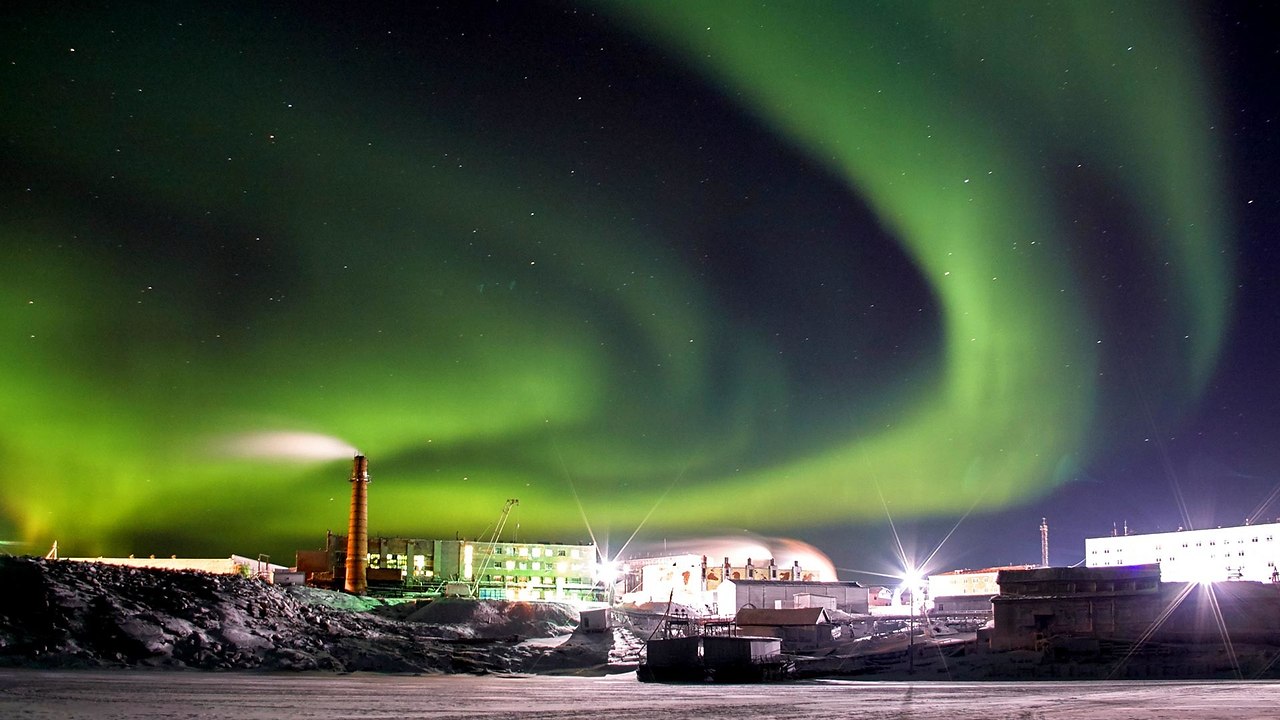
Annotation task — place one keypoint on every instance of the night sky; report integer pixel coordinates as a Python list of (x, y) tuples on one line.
[(786, 269)]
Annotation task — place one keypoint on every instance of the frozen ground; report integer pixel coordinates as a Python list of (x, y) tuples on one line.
[(254, 696)]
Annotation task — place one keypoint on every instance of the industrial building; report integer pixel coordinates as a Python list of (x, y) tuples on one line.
[(1244, 552), (846, 596), (1039, 607), (689, 580), (505, 570)]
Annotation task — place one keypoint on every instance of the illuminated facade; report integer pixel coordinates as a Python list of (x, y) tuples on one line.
[(530, 571), (1244, 552), (687, 578), (965, 591), (960, 583), (501, 570)]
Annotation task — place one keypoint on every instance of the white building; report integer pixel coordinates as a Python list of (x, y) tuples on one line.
[(1245, 552), (965, 583)]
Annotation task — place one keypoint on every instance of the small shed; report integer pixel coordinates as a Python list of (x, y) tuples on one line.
[(800, 629), (594, 620)]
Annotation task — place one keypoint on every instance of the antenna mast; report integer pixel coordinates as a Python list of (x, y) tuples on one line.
[(1044, 542)]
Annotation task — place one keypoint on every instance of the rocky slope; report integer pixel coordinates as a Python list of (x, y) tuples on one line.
[(71, 614)]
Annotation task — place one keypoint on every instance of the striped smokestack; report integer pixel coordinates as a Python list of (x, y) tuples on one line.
[(358, 528)]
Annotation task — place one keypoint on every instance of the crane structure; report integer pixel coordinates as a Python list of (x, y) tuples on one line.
[(492, 542)]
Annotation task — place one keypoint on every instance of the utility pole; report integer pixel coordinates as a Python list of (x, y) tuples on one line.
[(911, 637)]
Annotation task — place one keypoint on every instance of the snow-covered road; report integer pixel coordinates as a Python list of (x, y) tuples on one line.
[(252, 696)]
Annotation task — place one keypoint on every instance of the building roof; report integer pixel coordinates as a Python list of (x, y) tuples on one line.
[(967, 571), (805, 583), (1079, 573), (781, 617)]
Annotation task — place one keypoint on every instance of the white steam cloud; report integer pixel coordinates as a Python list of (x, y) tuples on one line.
[(285, 445)]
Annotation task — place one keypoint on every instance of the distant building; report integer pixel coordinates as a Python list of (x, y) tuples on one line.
[(967, 590), (1042, 607), (1243, 552), (734, 595), (500, 570), (233, 565), (694, 581)]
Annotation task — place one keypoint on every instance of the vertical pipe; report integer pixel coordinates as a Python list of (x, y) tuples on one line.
[(358, 529)]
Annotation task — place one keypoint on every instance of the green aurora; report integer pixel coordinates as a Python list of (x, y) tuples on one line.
[(218, 229)]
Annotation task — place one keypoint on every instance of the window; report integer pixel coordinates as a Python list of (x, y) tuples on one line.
[(537, 552)]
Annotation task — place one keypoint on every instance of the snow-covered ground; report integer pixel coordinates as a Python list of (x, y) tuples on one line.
[(38, 695)]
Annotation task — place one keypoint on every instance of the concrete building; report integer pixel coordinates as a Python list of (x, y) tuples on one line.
[(1040, 607), (1243, 552), (733, 595), (498, 570)]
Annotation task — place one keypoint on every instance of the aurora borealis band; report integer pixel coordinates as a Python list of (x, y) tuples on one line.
[(667, 263)]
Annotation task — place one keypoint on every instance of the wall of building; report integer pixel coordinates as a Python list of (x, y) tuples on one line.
[(502, 570), (1038, 608), (1243, 552), (969, 582), (733, 595)]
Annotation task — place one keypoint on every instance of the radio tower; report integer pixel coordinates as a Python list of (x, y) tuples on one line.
[(1044, 542)]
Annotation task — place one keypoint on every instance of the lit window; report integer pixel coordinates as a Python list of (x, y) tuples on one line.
[(537, 552), (524, 552), (511, 564), (537, 566)]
